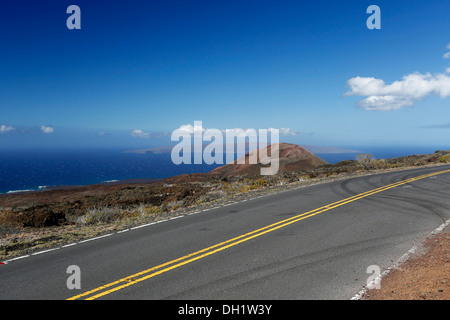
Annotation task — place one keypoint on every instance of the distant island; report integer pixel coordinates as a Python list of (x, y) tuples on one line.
[(312, 149)]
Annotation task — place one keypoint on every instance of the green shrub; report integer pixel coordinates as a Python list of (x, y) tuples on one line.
[(366, 160), (101, 215), (444, 159)]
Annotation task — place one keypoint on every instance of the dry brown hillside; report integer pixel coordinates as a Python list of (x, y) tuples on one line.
[(292, 158)]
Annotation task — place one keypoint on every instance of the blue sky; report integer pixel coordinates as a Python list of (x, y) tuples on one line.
[(154, 66)]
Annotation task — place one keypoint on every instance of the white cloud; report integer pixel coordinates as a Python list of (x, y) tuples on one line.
[(285, 131), (104, 134), (188, 128), (447, 70), (47, 129), (288, 132), (5, 128), (385, 103), (399, 94), (239, 132), (138, 133), (447, 54)]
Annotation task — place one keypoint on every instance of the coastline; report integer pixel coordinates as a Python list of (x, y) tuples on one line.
[(111, 176), (68, 187)]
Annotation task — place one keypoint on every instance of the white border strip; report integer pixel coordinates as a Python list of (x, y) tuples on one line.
[(53, 249), (96, 238)]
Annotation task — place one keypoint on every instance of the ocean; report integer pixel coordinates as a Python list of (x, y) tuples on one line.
[(40, 169)]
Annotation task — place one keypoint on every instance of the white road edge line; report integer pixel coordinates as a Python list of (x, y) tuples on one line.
[(18, 258), (96, 238), (40, 252), (69, 245)]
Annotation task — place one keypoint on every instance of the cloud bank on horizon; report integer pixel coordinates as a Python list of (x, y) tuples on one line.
[(188, 128), (4, 128), (399, 94)]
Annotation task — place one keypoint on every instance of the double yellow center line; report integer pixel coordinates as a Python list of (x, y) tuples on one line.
[(170, 265)]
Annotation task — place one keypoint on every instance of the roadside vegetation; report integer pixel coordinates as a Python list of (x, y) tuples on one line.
[(24, 229)]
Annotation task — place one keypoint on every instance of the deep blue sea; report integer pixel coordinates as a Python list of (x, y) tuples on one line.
[(38, 169)]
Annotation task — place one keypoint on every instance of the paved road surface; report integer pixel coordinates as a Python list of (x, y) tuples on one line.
[(314, 242)]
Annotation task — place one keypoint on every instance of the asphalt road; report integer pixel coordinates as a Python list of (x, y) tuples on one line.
[(314, 242)]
